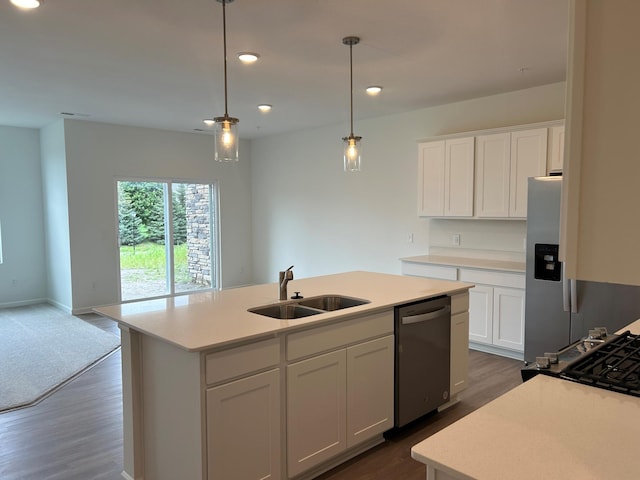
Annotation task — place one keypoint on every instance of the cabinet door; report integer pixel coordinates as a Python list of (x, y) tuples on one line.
[(369, 389), (600, 233), (493, 166), (481, 314), (459, 352), (243, 428), (431, 179), (528, 159), (556, 149), (316, 404), (508, 318), (458, 177)]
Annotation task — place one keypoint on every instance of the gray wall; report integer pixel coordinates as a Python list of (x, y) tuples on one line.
[(22, 272), (56, 215), (307, 212), (287, 201), (99, 154)]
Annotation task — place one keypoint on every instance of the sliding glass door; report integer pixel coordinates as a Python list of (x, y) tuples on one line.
[(149, 213)]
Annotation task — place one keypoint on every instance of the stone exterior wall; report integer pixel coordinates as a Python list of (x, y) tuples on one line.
[(198, 234)]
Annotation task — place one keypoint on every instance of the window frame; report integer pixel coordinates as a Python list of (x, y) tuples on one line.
[(214, 240)]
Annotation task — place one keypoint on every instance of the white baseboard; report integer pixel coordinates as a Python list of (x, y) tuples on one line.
[(126, 476), (64, 308), (23, 303)]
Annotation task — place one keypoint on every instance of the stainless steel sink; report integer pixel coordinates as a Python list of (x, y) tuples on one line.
[(308, 306), (285, 311), (330, 303)]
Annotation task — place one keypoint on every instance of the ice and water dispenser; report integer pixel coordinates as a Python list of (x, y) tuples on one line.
[(546, 263)]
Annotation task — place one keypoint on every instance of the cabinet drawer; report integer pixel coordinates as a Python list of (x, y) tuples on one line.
[(442, 272), (322, 339), (459, 303), (239, 361), (488, 277)]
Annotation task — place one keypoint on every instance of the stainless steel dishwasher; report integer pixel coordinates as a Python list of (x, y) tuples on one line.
[(423, 339)]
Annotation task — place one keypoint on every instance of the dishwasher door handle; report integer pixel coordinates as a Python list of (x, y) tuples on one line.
[(423, 317)]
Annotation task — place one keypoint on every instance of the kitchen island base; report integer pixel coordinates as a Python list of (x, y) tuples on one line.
[(212, 391)]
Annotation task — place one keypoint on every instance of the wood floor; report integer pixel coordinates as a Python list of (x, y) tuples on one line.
[(76, 433)]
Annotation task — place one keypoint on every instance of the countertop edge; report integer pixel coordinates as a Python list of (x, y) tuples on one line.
[(169, 323), (467, 262)]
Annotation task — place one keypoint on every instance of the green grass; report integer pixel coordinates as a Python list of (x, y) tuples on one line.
[(150, 260)]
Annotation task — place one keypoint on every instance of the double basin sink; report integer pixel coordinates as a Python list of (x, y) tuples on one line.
[(308, 306)]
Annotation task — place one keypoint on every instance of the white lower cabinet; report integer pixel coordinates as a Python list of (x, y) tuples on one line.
[(369, 389), (340, 394), (496, 312), (243, 428), (338, 400), (242, 412), (481, 314), (316, 410), (459, 359), (508, 318)]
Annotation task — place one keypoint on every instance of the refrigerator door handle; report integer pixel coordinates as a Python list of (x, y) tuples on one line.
[(574, 296)]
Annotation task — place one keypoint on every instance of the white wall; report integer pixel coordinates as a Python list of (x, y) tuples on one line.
[(56, 213), (492, 239), (97, 155), (22, 271), (307, 212)]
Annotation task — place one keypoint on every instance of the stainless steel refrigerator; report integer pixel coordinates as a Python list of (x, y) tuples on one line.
[(559, 311)]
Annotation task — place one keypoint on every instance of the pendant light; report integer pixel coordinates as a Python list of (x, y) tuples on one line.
[(226, 127), (352, 142)]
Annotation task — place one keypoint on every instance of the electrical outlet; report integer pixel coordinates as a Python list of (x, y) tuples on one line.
[(410, 238), (455, 239)]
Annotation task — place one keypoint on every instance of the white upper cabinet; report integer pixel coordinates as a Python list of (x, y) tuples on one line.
[(458, 177), (555, 157), (504, 162), (484, 174), (493, 167), (528, 159), (431, 179), (445, 178)]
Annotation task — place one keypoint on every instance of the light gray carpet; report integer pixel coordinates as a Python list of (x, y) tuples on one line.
[(42, 347)]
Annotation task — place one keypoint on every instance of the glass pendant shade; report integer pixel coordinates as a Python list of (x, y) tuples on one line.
[(352, 152), (226, 139)]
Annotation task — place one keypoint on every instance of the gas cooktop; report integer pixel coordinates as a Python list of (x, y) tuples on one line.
[(601, 360)]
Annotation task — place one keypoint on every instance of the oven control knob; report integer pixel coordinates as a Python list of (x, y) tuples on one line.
[(543, 363), (553, 357)]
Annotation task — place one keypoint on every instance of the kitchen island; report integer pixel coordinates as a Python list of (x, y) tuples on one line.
[(546, 428), (213, 391)]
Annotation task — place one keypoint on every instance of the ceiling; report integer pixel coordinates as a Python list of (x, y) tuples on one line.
[(159, 63)]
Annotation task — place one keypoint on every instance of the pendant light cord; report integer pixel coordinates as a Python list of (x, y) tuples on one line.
[(224, 35), (351, 83)]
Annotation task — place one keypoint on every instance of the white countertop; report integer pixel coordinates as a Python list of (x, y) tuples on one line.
[(546, 428), (484, 263), (218, 318)]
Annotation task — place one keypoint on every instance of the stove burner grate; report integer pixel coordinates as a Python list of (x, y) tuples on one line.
[(614, 366)]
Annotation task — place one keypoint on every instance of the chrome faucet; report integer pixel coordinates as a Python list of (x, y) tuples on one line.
[(284, 278)]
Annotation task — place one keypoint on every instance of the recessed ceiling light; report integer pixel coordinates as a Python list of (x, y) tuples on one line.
[(264, 108), (248, 57), (374, 90), (209, 122), (27, 4)]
